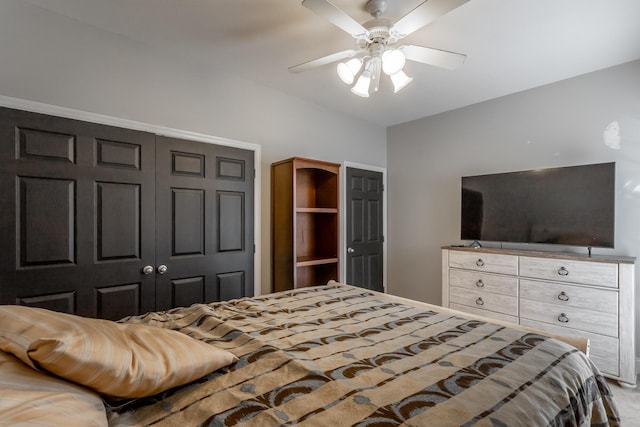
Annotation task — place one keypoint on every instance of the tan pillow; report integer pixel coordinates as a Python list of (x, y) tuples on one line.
[(121, 360), (32, 398)]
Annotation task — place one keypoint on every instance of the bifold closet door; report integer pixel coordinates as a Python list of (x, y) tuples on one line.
[(77, 215), (204, 222)]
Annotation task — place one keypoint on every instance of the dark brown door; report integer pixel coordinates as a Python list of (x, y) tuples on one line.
[(364, 232), (92, 215), (204, 222), (77, 215)]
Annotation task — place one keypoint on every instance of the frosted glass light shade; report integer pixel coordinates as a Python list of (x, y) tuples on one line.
[(347, 70), (361, 88), (392, 61), (400, 80)]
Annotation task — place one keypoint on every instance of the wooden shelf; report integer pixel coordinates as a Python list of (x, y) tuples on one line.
[(305, 223), (318, 210), (310, 260)]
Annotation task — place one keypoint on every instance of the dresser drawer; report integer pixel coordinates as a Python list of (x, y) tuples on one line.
[(484, 313), (563, 270), (507, 285), (564, 295), (570, 317), (482, 261), (603, 351), (483, 300)]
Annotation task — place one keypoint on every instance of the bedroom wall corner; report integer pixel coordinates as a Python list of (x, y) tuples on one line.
[(560, 124)]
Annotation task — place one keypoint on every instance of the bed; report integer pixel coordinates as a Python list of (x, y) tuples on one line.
[(332, 355)]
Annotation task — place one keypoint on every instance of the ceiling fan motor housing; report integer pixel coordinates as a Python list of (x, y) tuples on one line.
[(376, 7), (378, 29)]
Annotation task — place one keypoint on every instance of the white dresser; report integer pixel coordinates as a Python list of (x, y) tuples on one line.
[(564, 294)]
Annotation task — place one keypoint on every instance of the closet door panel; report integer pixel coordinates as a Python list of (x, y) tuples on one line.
[(230, 224), (202, 226), (188, 291), (116, 302), (123, 193), (231, 285), (64, 302), (234, 232), (188, 221), (77, 215), (42, 202), (118, 221)]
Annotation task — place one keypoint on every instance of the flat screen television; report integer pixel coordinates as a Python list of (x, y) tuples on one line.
[(572, 206)]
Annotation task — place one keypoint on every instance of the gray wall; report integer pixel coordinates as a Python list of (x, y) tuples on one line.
[(55, 60), (560, 124)]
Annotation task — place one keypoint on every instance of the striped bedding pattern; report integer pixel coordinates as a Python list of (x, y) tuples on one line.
[(338, 355)]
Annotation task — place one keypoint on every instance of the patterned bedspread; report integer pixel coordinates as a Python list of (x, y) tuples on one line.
[(342, 356)]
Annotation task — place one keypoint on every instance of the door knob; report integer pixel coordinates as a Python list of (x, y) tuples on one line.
[(147, 269), (350, 250), (162, 269)]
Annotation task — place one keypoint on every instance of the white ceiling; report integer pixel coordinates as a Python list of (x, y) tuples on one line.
[(511, 45)]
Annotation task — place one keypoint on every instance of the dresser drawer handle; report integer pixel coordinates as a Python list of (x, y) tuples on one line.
[(480, 262), (563, 318), (480, 283), (563, 296), (563, 271), (479, 301)]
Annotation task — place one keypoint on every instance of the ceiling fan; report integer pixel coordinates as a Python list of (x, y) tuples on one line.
[(377, 48)]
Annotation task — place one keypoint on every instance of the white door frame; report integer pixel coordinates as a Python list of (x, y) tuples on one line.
[(54, 110), (343, 218)]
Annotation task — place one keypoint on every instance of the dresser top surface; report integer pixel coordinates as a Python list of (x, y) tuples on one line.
[(545, 254)]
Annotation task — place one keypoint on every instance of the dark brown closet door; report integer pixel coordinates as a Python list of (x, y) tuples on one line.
[(77, 215), (204, 222)]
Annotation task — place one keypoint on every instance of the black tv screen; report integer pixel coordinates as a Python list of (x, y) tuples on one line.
[(572, 205)]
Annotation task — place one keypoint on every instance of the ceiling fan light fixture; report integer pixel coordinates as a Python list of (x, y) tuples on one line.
[(375, 66), (376, 42), (393, 61), (361, 88), (400, 80), (347, 70)]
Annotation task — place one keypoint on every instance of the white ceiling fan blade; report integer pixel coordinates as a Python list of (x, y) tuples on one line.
[(323, 61), (437, 57), (336, 16), (425, 13)]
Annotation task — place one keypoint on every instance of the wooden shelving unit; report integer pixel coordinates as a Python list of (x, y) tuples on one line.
[(304, 222)]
